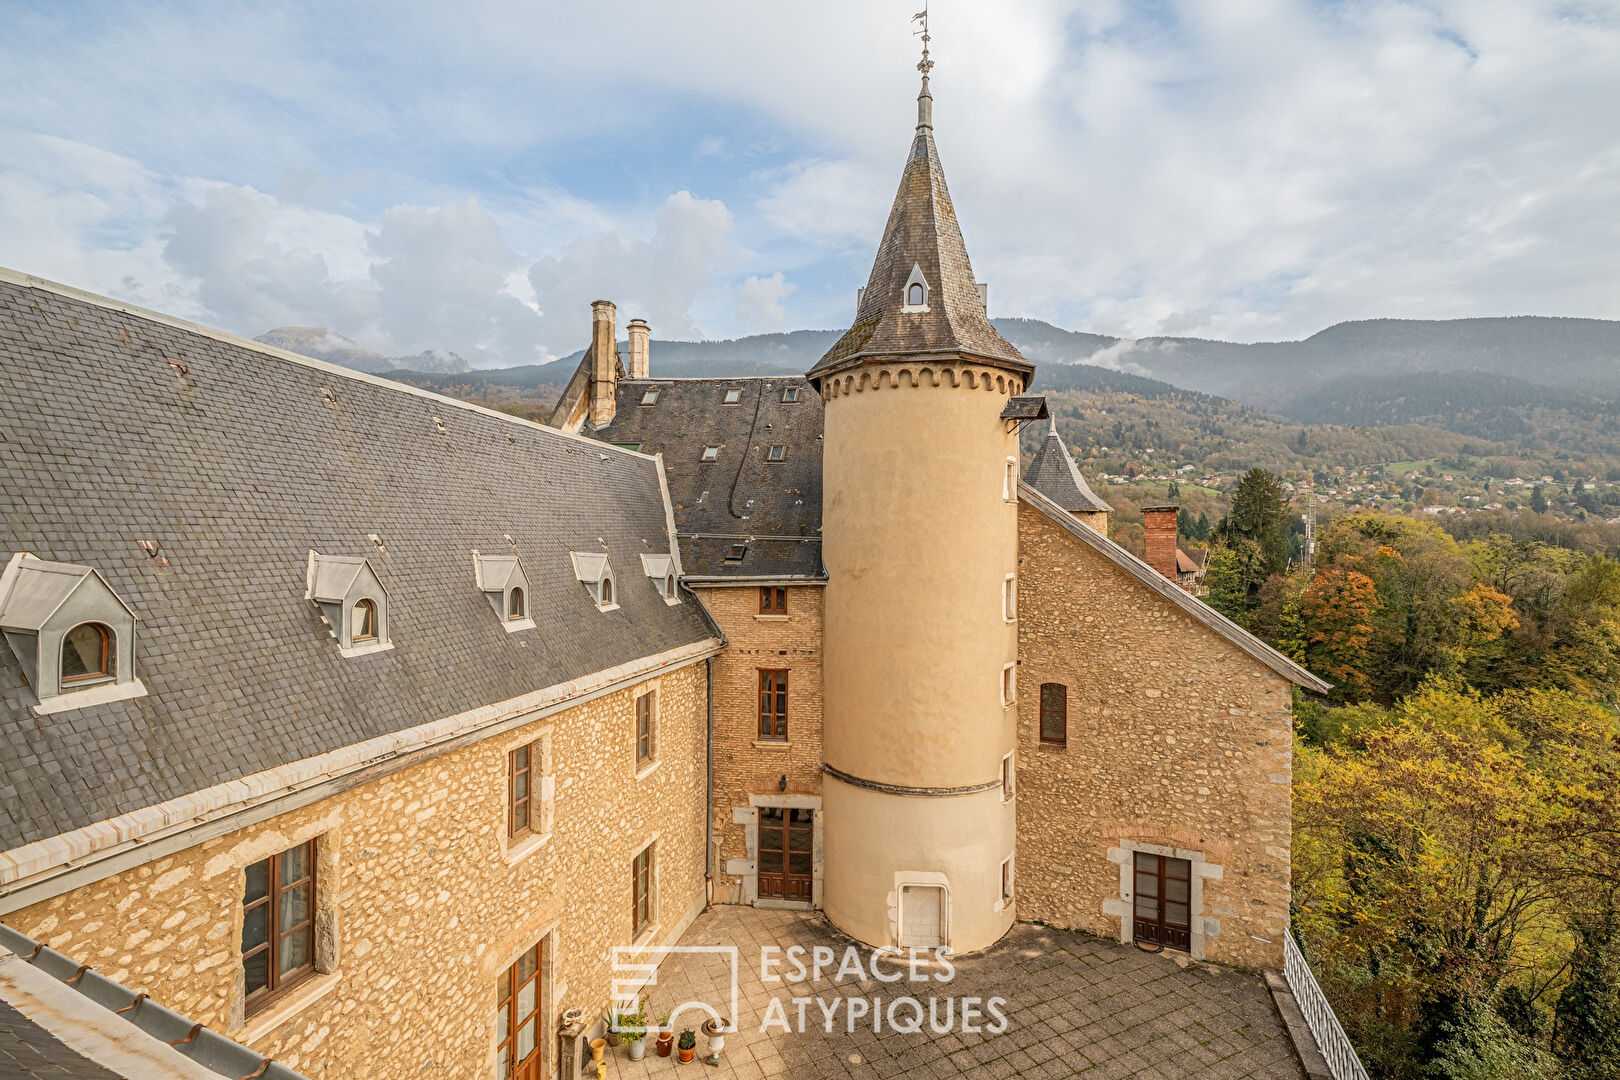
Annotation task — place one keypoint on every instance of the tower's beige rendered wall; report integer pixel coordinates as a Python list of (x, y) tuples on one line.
[(918, 539), (427, 907), (1177, 740)]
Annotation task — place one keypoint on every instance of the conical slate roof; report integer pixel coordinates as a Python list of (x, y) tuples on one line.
[(922, 235), (1054, 474)]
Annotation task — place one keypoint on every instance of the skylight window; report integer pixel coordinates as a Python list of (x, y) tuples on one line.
[(649, 396), (711, 453), (790, 394), (776, 453), (736, 552), (733, 396)]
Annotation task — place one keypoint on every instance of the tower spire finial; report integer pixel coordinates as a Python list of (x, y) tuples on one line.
[(925, 100)]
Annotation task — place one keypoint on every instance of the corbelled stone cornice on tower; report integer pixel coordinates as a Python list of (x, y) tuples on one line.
[(922, 239)]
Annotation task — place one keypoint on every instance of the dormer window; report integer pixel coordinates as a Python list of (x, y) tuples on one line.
[(661, 569), (593, 571), (351, 600), (915, 297), (790, 395), (502, 581), (776, 453), (711, 453), (87, 654), (649, 396), (363, 624), (733, 396), (73, 636)]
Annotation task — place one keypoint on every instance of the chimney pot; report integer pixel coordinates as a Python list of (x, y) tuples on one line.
[(1159, 522)]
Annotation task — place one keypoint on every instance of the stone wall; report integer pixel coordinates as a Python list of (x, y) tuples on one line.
[(1178, 742), (421, 903), (743, 765)]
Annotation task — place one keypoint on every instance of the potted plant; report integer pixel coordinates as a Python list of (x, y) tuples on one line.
[(715, 1031), (666, 1036), (610, 1026), (633, 1033), (688, 1044)]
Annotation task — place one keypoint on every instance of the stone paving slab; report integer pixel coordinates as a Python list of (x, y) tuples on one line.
[(1075, 1005)]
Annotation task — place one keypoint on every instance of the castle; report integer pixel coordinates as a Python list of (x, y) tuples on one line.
[(356, 723)]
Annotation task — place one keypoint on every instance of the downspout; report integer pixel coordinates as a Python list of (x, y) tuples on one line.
[(708, 798)]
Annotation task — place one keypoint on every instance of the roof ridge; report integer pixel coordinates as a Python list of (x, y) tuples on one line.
[(32, 281)]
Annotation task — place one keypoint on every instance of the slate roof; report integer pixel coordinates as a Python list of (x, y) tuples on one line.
[(61, 1021), (118, 425), (922, 232), (773, 509), (1053, 473)]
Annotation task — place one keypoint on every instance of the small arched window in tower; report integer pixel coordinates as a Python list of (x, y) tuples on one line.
[(914, 294), (87, 653), (365, 621), (514, 607), (607, 591), (669, 587)]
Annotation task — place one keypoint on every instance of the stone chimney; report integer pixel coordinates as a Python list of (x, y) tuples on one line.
[(605, 365), (640, 336), (1160, 524)]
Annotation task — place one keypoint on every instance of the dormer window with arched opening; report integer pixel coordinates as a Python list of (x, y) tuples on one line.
[(87, 654), (351, 600), (593, 571), (915, 297), (73, 636), (661, 569), (502, 581)]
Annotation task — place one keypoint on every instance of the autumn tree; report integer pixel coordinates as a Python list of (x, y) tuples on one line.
[(1336, 615)]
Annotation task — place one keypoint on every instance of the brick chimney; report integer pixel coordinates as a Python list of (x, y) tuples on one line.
[(1160, 525), (640, 336), (605, 365)]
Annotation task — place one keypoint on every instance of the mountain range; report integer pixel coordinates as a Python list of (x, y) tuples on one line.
[(334, 348)]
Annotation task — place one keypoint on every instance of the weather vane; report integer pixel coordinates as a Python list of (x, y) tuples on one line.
[(922, 17)]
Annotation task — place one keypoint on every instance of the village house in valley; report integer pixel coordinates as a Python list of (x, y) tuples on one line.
[(357, 724)]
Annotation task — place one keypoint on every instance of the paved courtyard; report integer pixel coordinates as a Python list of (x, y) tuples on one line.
[(1075, 1006)]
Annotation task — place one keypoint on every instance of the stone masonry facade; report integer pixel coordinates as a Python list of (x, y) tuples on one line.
[(420, 902), (1179, 743), (745, 767)]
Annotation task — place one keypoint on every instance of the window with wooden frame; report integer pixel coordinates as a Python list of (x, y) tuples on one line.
[(87, 654), (1054, 714), (646, 718), (773, 698), (364, 624), (278, 925), (522, 771), (641, 905), (1008, 777), (517, 1019), (515, 608), (772, 600)]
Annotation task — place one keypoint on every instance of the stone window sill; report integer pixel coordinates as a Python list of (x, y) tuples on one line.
[(770, 618), (649, 768), (772, 744), (512, 626), (1053, 747), (98, 694), (516, 853), (263, 1023), (365, 650), (648, 935)]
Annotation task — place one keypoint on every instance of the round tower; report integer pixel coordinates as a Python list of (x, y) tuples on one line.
[(920, 540)]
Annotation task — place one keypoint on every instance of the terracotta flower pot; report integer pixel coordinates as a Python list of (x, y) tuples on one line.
[(686, 1052)]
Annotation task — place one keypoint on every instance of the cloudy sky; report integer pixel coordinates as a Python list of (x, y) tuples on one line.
[(470, 176)]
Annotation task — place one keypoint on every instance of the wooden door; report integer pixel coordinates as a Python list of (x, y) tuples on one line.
[(922, 916), (519, 1033), (786, 843), (1163, 901)]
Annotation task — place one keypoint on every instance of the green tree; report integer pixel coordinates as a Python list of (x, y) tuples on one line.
[(1232, 579), (1538, 501), (1587, 1015), (1260, 514)]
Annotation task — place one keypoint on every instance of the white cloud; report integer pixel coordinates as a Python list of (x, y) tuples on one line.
[(759, 302)]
